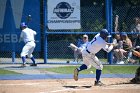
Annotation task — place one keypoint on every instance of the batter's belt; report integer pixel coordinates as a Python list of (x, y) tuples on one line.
[(29, 41), (88, 51)]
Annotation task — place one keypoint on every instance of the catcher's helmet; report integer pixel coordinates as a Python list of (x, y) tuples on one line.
[(104, 33)]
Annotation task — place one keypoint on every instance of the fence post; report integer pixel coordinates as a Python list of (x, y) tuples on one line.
[(109, 25), (45, 30)]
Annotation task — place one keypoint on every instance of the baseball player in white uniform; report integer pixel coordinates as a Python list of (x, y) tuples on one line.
[(89, 57), (27, 35)]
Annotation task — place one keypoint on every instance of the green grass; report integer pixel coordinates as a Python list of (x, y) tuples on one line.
[(106, 70), (6, 72)]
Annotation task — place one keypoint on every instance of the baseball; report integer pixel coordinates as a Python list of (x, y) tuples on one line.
[(68, 61), (91, 72), (29, 15)]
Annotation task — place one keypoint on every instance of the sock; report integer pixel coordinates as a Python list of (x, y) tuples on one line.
[(23, 60), (98, 74), (33, 59), (82, 67)]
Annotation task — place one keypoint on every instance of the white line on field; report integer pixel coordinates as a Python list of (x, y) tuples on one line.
[(69, 89), (20, 84)]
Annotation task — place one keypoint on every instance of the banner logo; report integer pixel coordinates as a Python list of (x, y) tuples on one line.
[(63, 10), (63, 14)]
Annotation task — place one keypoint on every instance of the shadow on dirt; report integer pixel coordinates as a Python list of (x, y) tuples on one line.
[(77, 86), (122, 83)]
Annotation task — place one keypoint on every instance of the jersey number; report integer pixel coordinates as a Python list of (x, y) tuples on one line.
[(93, 40)]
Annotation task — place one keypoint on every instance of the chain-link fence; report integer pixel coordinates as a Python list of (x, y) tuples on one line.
[(93, 19)]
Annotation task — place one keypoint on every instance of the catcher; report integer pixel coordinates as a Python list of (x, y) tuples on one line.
[(136, 79)]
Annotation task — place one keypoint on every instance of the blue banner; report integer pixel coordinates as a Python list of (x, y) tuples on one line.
[(12, 13)]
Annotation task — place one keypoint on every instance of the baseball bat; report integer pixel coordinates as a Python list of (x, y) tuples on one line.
[(116, 23)]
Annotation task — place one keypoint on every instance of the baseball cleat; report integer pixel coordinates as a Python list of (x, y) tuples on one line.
[(33, 65), (75, 74), (98, 83), (23, 65)]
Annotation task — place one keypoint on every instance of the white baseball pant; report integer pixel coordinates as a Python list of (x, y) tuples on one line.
[(91, 60), (28, 49)]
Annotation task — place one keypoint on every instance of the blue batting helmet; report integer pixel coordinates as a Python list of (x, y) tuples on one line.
[(23, 24), (104, 33)]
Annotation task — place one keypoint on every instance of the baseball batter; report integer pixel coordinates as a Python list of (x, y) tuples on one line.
[(27, 35), (89, 57)]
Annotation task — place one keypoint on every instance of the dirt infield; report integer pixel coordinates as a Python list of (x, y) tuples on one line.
[(112, 85)]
